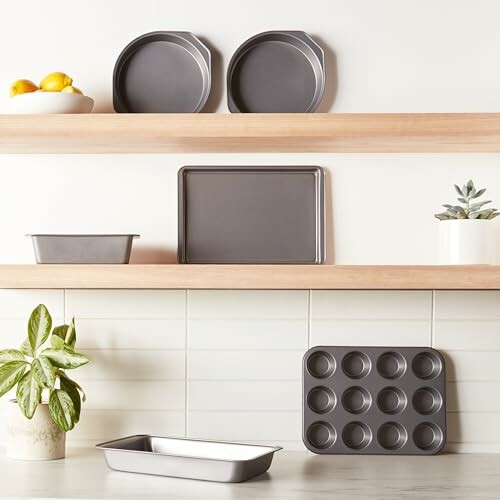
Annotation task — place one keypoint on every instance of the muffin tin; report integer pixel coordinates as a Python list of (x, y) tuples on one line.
[(374, 400)]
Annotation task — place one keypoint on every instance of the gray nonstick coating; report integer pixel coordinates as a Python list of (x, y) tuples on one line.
[(252, 215), (374, 400), (162, 72), (276, 72)]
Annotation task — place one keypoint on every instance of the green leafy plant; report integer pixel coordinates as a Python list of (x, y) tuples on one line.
[(470, 209), (38, 368)]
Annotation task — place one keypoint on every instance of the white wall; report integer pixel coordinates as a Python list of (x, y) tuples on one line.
[(382, 56)]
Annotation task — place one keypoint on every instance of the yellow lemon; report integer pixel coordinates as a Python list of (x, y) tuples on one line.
[(55, 82), (71, 90), (22, 87)]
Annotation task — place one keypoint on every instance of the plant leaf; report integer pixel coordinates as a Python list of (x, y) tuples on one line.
[(7, 355), (57, 342), (442, 216), (10, 374), (39, 326), (28, 394), (458, 190), (479, 193), (26, 348), (62, 409), (71, 334), (65, 358), (67, 333), (70, 388), (477, 206), (43, 372), (462, 200), (76, 384)]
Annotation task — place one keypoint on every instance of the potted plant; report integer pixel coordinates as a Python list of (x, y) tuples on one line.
[(465, 230), (47, 402)]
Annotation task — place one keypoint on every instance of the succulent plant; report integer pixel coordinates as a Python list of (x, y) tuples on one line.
[(470, 209)]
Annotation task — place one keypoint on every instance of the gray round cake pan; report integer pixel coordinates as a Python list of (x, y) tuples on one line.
[(162, 72), (276, 72)]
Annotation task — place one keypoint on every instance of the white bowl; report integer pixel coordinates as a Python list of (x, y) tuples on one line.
[(50, 102)]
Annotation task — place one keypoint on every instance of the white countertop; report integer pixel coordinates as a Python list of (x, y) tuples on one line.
[(293, 475)]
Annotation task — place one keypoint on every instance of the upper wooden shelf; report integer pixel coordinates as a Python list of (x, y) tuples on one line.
[(288, 277), (186, 133)]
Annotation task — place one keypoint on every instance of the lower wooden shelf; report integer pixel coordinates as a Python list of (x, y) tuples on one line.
[(277, 277)]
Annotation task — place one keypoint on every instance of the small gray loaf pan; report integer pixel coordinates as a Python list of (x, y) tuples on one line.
[(251, 215), (188, 458), (374, 400), (82, 248)]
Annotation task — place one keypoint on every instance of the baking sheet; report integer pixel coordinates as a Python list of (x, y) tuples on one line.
[(251, 215)]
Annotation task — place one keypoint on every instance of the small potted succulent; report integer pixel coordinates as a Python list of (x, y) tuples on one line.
[(465, 230), (47, 402)]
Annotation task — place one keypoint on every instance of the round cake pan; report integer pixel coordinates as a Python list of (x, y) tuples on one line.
[(276, 72), (162, 72)]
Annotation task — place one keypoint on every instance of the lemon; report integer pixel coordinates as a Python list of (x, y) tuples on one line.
[(22, 87), (71, 90), (55, 82)]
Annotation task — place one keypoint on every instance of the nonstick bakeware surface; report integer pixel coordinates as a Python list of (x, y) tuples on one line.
[(276, 72), (374, 400), (188, 458), (82, 248), (162, 72), (251, 215)]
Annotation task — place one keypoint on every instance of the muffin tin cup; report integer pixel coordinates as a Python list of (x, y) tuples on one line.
[(374, 400)]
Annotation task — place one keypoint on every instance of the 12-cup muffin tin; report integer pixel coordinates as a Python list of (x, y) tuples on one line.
[(374, 400)]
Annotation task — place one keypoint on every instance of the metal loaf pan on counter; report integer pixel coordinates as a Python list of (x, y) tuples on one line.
[(251, 215), (188, 458), (82, 248)]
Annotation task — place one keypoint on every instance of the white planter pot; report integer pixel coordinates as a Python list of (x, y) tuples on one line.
[(465, 241), (35, 439)]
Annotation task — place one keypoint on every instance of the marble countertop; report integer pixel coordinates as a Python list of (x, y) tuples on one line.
[(293, 476)]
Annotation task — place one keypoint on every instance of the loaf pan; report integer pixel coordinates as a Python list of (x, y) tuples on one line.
[(188, 458), (82, 248)]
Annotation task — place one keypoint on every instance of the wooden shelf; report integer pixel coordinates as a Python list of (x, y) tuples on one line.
[(187, 133), (251, 277)]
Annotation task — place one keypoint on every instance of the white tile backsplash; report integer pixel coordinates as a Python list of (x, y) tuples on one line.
[(244, 395), (245, 365), (131, 333), (135, 395), (246, 426), (125, 304), (248, 334), (248, 304), (116, 364), (368, 317), (104, 425), (18, 304), (227, 364), (467, 329)]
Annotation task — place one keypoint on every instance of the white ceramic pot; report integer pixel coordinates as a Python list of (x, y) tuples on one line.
[(35, 439), (465, 241)]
